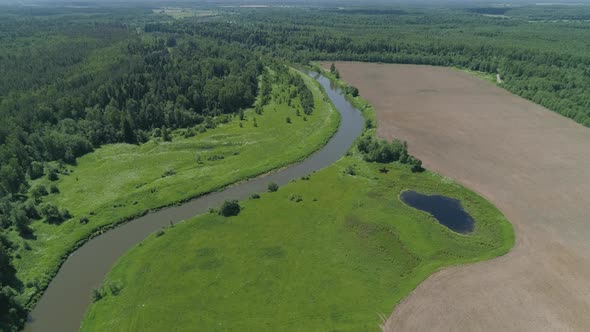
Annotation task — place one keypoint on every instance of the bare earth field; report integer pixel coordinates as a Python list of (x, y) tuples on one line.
[(533, 164)]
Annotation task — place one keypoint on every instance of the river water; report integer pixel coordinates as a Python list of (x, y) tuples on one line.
[(62, 306)]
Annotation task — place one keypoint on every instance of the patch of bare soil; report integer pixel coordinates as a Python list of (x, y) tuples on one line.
[(533, 164)]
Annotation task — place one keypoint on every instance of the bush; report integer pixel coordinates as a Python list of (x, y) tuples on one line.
[(272, 187), (54, 189), (350, 170), (65, 214), (380, 150), (416, 164), (288, 119), (51, 213), (230, 208), (169, 172), (255, 196), (39, 191), (52, 175), (98, 294), (36, 170), (84, 220)]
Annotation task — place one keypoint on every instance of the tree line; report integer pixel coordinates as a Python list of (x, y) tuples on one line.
[(543, 62)]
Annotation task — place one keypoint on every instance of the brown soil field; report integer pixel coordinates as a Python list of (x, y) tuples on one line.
[(533, 164)]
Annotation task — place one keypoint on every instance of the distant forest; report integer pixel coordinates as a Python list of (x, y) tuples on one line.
[(73, 79)]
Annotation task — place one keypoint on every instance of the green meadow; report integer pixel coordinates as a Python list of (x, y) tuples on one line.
[(334, 252), (121, 180)]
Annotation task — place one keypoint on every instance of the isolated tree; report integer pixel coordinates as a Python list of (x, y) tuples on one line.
[(230, 208), (272, 187), (52, 175), (332, 68)]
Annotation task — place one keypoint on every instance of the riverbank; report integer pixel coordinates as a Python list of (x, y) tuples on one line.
[(335, 250), (121, 182)]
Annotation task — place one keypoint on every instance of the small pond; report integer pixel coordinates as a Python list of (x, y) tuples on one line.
[(448, 211)]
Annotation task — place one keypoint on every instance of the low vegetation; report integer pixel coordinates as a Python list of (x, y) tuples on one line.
[(329, 253), (333, 251), (118, 181)]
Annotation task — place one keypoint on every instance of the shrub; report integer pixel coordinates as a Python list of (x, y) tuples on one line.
[(288, 119), (296, 198), (254, 196), (169, 172), (39, 191), (65, 214), (36, 170), (230, 208), (272, 187), (350, 170), (98, 294), (52, 175), (380, 150), (31, 210), (54, 189), (369, 124), (51, 213), (84, 220), (215, 157), (416, 165)]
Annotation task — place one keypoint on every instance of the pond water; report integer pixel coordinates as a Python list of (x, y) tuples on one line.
[(62, 306), (448, 211)]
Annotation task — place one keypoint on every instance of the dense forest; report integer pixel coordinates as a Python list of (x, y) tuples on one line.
[(546, 62), (73, 79), (70, 88)]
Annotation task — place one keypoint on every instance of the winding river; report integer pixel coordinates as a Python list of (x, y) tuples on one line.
[(62, 306)]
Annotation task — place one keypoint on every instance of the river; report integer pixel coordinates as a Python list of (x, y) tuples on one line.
[(62, 306)]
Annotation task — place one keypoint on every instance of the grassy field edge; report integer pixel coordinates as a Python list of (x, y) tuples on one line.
[(105, 228)]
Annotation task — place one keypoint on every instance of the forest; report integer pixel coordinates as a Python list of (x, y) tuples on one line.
[(111, 86), (544, 61), (72, 80)]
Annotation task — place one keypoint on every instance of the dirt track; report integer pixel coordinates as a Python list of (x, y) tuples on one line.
[(531, 163)]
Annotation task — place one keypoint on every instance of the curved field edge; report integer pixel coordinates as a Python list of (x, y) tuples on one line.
[(324, 122), (334, 251)]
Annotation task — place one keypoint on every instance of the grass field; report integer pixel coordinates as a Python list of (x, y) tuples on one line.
[(122, 180), (334, 252), (340, 259)]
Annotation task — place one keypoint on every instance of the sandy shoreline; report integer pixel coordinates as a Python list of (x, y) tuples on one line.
[(533, 164)]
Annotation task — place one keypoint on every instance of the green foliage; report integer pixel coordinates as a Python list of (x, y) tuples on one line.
[(287, 253), (272, 187), (52, 175), (38, 191), (37, 170), (350, 170), (380, 151), (539, 54), (54, 189), (230, 208)]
